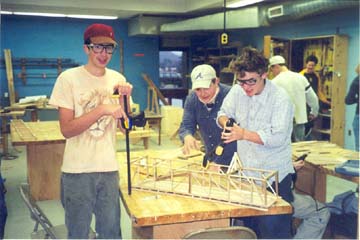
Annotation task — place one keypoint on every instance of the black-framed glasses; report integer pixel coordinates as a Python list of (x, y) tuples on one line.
[(99, 48), (249, 82)]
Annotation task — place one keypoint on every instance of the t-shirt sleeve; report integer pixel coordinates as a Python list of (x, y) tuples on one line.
[(61, 95)]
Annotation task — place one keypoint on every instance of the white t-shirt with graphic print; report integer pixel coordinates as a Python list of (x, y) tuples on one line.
[(93, 150)]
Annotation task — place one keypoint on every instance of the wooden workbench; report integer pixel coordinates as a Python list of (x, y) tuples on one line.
[(45, 148), (322, 159), (169, 216)]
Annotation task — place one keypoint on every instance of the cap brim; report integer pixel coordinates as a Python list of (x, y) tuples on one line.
[(201, 84), (102, 39)]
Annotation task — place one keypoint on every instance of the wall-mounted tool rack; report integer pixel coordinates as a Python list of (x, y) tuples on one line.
[(29, 67)]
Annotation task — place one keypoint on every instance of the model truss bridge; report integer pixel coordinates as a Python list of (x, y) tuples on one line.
[(231, 184)]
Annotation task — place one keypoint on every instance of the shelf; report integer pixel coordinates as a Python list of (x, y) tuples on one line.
[(218, 57)]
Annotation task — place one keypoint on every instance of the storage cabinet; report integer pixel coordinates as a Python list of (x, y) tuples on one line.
[(219, 58), (331, 52)]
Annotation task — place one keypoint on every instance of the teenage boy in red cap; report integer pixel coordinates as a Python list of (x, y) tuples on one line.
[(88, 118)]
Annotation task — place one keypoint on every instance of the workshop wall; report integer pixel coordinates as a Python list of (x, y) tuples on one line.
[(44, 37), (62, 37)]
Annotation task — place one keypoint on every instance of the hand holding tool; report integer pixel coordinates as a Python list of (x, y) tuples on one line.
[(218, 151)]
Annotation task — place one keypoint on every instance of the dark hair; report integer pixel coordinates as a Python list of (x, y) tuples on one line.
[(87, 41), (250, 60), (312, 58)]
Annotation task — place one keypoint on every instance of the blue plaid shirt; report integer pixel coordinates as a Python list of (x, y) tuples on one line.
[(270, 114), (196, 114)]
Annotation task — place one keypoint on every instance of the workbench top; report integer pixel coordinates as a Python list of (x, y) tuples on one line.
[(326, 156), (23, 133), (149, 208)]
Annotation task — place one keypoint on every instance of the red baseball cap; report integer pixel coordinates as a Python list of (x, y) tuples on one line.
[(99, 33)]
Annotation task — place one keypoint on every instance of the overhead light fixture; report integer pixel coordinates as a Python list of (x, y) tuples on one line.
[(92, 16), (241, 3), (5, 12), (60, 15), (40, 14)]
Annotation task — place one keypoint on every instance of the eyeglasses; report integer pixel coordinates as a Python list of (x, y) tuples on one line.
[(99, 48), (249, 82)]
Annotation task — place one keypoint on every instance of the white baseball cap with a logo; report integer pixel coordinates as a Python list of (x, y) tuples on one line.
[(202, 76), (276, 60)]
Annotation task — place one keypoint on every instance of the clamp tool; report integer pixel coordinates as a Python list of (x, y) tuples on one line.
[(136, 120)]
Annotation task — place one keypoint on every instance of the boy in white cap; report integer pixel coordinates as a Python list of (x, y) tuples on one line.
[(300, 92), (200, 111), (88, 117)]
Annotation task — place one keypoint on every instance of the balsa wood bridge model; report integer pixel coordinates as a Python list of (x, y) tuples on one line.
[(229, 184)]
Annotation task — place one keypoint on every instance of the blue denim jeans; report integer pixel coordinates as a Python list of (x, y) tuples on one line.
[(274, 226), (3, 209), (298, 133), (356, 131), (85, 194)]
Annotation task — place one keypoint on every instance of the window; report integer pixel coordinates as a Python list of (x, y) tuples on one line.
[(172, 69)]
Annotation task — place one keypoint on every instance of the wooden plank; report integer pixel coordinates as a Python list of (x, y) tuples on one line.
[(339, 89), (267, 46), (152, 85), (137, 134), (10, 75)]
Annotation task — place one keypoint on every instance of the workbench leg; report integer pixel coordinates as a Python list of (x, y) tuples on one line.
[(34, 115), (5, 140), (159, 122), (146, 142)]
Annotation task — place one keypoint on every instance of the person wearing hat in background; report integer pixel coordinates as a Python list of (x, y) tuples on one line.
[(300, 93), (314, 214), (88, 117), (264, 115), (200, 111)]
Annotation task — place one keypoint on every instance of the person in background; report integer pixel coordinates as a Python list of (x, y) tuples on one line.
[(3, 208), (88, 116), (352, 97), (315, 81), (200, 111), (300, 92), (314, 215), (264, 116)]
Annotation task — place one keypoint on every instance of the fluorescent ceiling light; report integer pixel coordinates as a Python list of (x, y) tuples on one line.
[(40, 14), (61, 15), (92, 16), (5, 12), (242, 3)]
